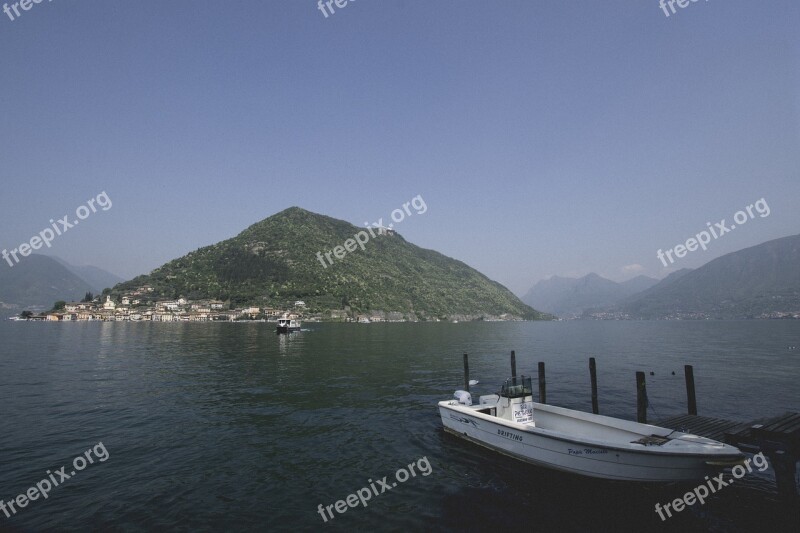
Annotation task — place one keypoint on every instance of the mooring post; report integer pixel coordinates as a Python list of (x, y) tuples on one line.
[(514, 366), (785, 467), (466, 372), (542, 384), (691, 398), (593, 376), (641, 398)]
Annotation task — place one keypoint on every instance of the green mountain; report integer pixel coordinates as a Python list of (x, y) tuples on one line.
[(750, 283), (37, 281), (275, 262)]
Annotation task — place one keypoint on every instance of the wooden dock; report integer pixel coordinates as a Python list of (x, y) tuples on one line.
[(705, 426), (777, 437), (777, 433)]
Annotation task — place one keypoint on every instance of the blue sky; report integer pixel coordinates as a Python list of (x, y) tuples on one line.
[(545, 137)]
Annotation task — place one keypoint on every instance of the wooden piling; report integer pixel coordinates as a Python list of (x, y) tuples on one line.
[(466, 372), (641, 398), (542, 384), (513, 364), (593, 376), (691, 398), (785, 467)]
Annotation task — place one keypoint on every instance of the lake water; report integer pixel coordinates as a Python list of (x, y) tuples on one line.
[(227, 426)]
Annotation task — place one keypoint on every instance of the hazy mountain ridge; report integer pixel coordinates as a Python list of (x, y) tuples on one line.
[(97, 278), (37, 282), (572, 296), (761, 281)]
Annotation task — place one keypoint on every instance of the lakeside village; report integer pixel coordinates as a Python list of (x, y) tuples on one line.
[(677, 315), (138, 306)]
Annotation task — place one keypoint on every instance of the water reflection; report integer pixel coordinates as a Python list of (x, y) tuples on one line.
[(290, 343)]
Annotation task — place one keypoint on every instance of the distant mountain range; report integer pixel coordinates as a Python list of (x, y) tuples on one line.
[(762, 281), (38, 281), (97, 278), (278, 261), (570, 297)]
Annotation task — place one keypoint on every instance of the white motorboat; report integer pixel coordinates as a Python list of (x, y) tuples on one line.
[(287, 325), (582, 443)]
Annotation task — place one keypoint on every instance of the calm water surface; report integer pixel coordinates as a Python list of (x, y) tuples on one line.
[(230, 427)]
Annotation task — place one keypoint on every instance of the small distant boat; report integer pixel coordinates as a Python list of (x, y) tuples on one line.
[(287, 325), (582, 443)]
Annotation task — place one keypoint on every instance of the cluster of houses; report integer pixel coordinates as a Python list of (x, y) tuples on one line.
[(132, 308), (780, 315), (686, 316), (136, 307), (141, 305)]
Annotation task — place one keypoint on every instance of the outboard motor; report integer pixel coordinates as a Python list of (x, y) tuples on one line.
[(463, 397)]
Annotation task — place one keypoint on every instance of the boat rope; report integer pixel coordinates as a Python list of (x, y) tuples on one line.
[(648, 404)]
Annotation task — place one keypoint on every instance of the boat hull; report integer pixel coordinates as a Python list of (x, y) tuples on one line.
[(527, 443), (287, 329)]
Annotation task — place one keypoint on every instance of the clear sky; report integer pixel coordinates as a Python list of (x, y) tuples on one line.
[(545, 137)]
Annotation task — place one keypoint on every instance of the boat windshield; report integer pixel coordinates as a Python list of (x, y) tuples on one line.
[(518, 387)]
